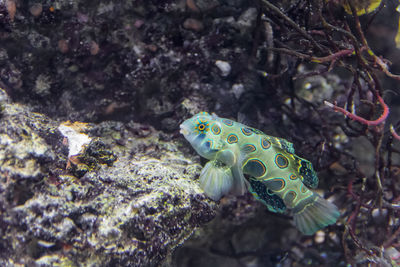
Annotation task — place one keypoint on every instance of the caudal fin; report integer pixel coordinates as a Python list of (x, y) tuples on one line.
[(314, 213), (216, 180)]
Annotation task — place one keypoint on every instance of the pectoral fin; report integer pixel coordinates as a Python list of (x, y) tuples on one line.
[(227, 157), (240, 183), (216, 179)]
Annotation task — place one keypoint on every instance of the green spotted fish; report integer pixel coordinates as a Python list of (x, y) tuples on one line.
[(243, 158)]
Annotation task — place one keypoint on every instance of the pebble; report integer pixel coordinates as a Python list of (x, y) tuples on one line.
[(151, 47), (238, 90), (224, 67), (63, 46), (379, 216), (193, 24), (138, 23), (192, 6), (36, 9), (248, 18), (319, 237), (94, 48)]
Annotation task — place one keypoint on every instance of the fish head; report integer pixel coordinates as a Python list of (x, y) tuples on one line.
[(200, 130)]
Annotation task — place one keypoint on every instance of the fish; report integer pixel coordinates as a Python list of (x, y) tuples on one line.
[(242, 158)]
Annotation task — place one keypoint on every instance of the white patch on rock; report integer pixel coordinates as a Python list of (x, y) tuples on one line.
[(76, 140), (42, 85)]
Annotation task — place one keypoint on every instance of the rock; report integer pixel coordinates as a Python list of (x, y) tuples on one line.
[(191, 4), (193, 24), (205, 5), (238, 90), (247, 19), (36, 9), (23, 148), (133, 211), (42, 85)]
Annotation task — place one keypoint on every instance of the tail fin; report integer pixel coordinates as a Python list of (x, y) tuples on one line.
[(314, 213), (216, 180)]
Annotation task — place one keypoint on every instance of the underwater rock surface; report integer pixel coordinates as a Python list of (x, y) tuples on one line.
[(133, 209)]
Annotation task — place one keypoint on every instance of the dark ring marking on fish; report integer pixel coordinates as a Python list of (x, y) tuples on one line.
[(227, 122), (255, 167), (209, 144), (303, 189), (290, 196), (265, 143), (246, 131), (249, 148), (275, 184), (281, 161), (232, 138), (269, 191), (215, 129)]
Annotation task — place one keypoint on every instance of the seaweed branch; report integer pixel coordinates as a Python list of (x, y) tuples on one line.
[(329, 40), (394, 133), (352, 116), (291, 23)]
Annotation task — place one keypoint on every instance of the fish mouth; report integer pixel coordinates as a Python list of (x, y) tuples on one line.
[(184, 130)]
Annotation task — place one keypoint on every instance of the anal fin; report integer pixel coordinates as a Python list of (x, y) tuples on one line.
[(240, 183)]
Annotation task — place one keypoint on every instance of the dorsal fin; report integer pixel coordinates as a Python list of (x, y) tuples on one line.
[(307, 174)]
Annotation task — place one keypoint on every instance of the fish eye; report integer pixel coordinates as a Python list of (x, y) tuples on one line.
[(202, 126)]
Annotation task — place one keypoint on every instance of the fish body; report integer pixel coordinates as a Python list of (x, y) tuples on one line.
[(243, 158)]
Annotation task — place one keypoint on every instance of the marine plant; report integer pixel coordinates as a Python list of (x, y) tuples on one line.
[(331, 37)]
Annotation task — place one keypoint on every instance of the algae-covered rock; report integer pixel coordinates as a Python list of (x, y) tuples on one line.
[(135, 202), (22, 144)]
